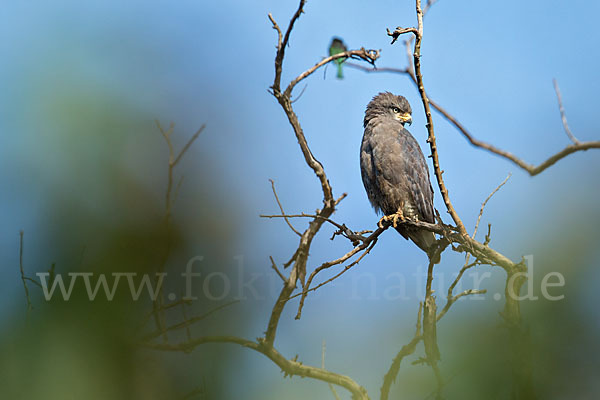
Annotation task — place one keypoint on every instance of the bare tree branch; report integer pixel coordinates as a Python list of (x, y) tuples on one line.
[(451, 298), (289, 367), (287, 221), (366, 55), (428, 6), (432, 350), (23, 277), (188, 322), (173, 161), (482, 252), (531, 169), (158, 303), (274, 266), (188, 144), (281, 44), (265, 346), (563, 115), (362, 245), (405, 351), (329, 202), (367, 249), (485, 203), (276, 27)]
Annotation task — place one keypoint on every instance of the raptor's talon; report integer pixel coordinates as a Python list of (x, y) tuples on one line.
[(397, 216)]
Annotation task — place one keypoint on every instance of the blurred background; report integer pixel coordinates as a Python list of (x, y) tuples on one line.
[(84, 175)]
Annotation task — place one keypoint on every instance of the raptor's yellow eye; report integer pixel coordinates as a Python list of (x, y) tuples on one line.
[(396, 110)]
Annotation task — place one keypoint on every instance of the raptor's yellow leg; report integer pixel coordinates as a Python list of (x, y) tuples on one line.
[(397, 216)]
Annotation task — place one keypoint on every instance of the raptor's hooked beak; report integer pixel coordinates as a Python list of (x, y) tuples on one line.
[(406, 118)]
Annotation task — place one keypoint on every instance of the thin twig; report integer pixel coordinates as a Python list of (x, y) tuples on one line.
[(563, 115), (23, 277), (276, 27), (485, 203), (460, 274), (531, 169), (301, 254), (300, 94), (453, 300), (367, 249), (369, 56), (405, 351), (281, 44), (436, 228), (428, 6), (281, 208), (289, 367), (188, 331), (450, 298), (188, 144), (36, 282), (163, 308), (188, 322), (300, 257), (375, 69), (468, 244), (274, 266), (430, 327), (157, 304)]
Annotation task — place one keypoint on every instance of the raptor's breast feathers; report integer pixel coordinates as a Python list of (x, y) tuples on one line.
[(395, 173)]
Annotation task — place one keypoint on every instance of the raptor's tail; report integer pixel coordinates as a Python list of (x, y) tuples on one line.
[(426, 242)]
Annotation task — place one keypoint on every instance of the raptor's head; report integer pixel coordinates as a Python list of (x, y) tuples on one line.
[(388, 105)]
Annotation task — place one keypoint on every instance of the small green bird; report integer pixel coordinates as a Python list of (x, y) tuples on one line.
[(338, 46)]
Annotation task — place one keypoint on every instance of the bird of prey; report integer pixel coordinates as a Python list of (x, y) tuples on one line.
[(338, 46), (394, 171)]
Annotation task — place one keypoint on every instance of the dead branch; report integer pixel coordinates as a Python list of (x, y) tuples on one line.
[(274, 266), (451, 300), (329, 202), (468, 244), (405, 351), (428, 6), (367, 249), (174, 159), (369, 56), (485, 203), (282, 44), (362, 245), (187, 322), (430, 343), (287, 221), (289, 367), (23, 277), (563, 115), (531, 169), (298, 271)]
